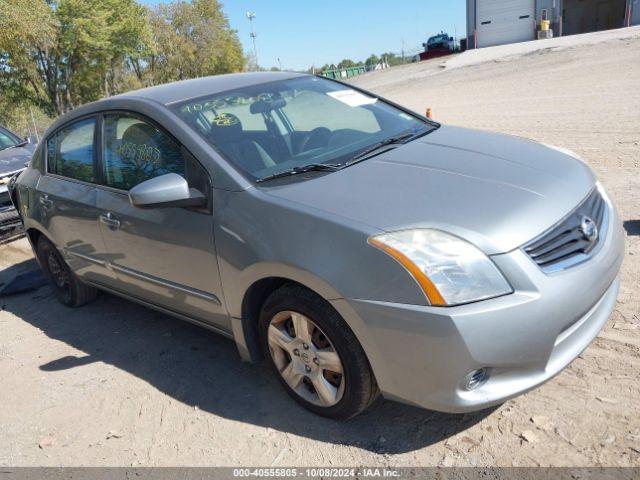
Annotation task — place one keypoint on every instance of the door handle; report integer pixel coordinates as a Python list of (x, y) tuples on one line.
[(110, 221), (45, 202)]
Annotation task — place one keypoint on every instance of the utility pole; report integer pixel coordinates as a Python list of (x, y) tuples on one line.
[(251, 16), (403, 50), (280, 63), (35, 127)]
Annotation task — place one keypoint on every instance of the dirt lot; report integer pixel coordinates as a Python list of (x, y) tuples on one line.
[(115, 384)]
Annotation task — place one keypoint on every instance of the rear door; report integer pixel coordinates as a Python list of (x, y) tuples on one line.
[(505, 21), (65, 203), (165, 256)]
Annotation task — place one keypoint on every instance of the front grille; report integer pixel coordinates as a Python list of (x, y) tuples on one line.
[(5, 200), (567, 242), (5, 197)]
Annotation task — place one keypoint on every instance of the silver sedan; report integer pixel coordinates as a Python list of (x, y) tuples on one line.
[(362, 248)]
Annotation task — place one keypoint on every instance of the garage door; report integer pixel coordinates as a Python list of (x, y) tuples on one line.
[(505, 21)]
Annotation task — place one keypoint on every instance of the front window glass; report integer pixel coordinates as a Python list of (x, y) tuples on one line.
[(437, 39), (309, 110), (70, 151), (240, 109), (7, 140), (135, 151), (272, 127)]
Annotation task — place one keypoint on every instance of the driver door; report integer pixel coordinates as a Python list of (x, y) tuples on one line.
[(164, 256)]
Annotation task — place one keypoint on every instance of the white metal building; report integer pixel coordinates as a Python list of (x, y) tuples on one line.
[(497, 22)]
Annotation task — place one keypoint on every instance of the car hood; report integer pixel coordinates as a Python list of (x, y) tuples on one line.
[(13, 159), (497, 191)]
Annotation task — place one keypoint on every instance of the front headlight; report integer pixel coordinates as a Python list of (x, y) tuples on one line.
[(449, 270)]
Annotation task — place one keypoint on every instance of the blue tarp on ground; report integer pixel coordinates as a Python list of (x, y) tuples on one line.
[(24, 282)]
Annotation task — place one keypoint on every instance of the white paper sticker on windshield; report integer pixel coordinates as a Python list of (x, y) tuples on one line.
[(352, 98)]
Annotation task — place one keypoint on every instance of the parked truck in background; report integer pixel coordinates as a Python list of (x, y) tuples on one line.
[(437, 46)]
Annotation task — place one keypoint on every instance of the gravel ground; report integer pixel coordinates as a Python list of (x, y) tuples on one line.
[(113, 383)]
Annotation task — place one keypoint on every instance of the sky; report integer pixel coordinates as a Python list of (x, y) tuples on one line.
[(302, 33)]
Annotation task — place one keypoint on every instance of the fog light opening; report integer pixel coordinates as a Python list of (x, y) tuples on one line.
[(476, 378)]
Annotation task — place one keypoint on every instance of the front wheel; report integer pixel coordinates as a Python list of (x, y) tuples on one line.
[(315, 355)]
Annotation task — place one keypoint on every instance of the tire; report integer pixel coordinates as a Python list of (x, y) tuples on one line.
[(65, 285), (354, 387)]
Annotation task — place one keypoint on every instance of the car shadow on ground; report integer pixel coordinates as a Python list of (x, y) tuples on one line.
[(632, 227), (203, 369)]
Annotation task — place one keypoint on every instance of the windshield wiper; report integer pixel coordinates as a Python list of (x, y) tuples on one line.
[(312, 167), (377, 146), (332, 167)]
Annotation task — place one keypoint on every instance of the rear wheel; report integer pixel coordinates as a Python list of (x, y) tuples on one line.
[(315, 355), (65, 285)]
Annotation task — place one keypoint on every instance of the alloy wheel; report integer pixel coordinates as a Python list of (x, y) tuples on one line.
[(306, 358)]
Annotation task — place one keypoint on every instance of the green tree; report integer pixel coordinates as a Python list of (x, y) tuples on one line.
[(394, 59), (372, 60), (190, 40), (59, 54), (21, 116), (347, 63), (26, 27), (96, 40)]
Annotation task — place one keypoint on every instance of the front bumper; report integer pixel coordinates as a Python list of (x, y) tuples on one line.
[(421, 355)]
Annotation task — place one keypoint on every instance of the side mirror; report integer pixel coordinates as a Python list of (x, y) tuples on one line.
[(166, 191)]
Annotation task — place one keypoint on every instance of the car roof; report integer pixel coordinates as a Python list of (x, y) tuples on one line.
[(183, 90)]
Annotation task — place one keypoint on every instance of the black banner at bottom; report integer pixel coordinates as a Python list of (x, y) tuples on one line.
[(205, 473)]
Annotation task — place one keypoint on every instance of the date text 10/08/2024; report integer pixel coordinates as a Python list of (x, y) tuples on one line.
[(317, 472)]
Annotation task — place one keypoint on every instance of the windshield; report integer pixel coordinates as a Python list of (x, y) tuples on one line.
[(273, 127), (8, 139)]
